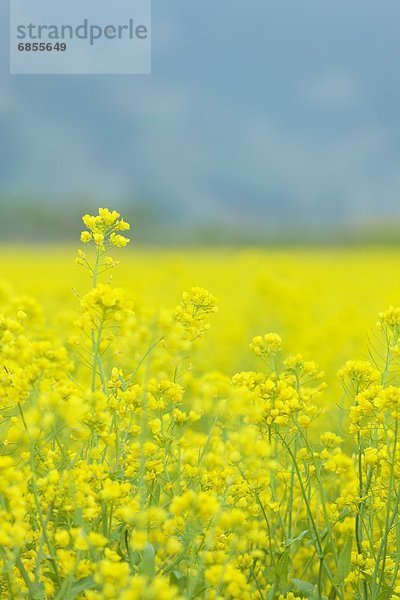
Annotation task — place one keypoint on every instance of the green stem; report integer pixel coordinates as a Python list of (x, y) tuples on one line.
[(382, 552)]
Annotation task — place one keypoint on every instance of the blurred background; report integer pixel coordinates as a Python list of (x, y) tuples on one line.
[(263, 122)]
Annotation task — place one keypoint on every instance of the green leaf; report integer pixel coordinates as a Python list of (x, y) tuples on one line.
[(385, 593), (82, 585), (37, 591), (344, 562), (305, 588), (178, 579), (157, 493), (298, 538), (282, 568), (397, 530), (147, 566)]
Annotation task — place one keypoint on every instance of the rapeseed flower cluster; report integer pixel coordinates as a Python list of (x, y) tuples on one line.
[(128, 473)]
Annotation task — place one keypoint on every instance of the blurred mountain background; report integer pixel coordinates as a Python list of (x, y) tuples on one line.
[(262, 121)]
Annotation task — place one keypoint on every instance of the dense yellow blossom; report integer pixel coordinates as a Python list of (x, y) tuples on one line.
[(130, 471)]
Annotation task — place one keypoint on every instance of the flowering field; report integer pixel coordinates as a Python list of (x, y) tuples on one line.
[(158, 443)]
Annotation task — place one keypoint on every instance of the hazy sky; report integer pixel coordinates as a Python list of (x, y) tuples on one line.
[(257, 111)]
